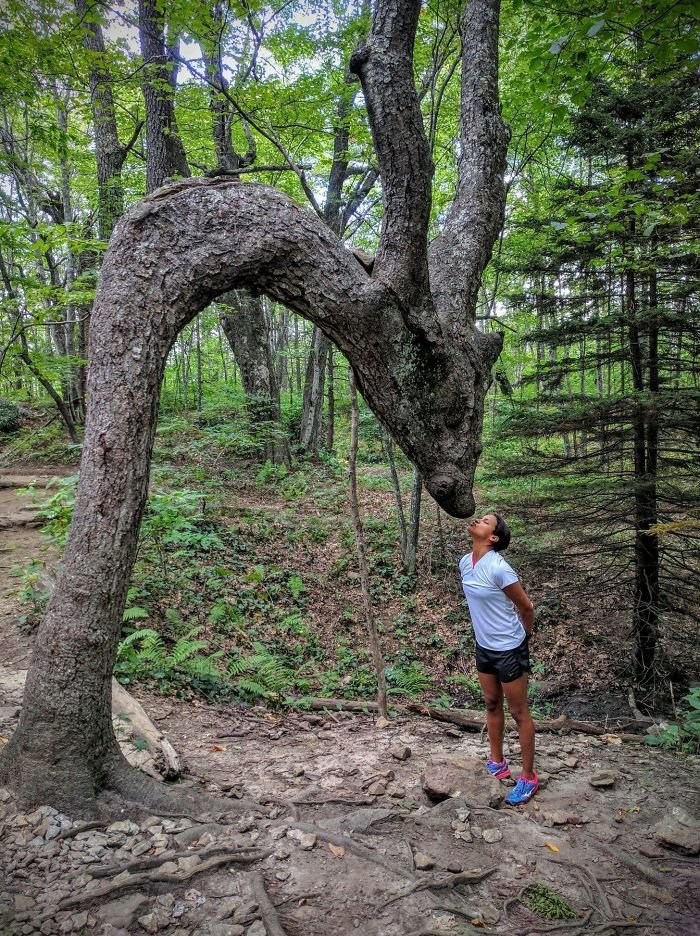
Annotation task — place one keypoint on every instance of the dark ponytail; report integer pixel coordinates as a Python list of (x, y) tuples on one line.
[(502, 531)]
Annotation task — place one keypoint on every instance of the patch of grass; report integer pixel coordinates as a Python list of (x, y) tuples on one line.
[(547, 903)]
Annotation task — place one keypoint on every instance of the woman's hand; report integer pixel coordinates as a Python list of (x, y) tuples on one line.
[(523, 605)]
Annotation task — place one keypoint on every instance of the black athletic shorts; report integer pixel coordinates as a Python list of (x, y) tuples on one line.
[(506, 664)]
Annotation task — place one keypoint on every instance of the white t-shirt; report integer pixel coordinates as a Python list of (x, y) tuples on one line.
[(497, 625)]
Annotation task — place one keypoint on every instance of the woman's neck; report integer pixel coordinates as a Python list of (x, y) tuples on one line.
[(480, 549)]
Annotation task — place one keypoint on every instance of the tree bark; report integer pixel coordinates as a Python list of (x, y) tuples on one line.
[(314, 385), (360, 545), (248, 334), (165, 154), (424, 374)]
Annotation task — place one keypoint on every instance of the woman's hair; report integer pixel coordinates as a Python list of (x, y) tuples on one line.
[(502, 531)]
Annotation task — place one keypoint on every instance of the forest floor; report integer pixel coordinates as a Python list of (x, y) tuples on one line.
[(344, 837)]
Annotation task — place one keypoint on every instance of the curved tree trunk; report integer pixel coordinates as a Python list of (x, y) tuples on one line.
[(421, 366)]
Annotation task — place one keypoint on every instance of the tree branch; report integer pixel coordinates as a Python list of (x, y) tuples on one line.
[(384, 65)]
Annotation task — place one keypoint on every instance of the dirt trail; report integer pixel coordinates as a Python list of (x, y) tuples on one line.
[(355, 845)]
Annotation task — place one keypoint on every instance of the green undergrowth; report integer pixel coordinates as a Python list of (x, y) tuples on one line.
[(246, 584), (542, 900)]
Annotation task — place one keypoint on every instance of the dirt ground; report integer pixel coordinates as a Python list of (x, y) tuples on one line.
[(341, 835)]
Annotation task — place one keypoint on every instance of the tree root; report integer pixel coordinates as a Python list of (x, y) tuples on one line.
[(83, 827), (143, 864), (343, 841), (266, 908), (141, 880), (588, 879), (447, 883), (142, 790)]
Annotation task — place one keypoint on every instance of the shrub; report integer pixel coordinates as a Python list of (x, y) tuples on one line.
[(10, 416)]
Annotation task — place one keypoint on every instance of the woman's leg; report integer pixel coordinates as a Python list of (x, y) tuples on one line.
[(493, 697), (516, 694)]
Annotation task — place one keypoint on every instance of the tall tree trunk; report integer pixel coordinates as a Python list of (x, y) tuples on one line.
[(165, 154), (411, 550), (312, 414), (248, 333), (361, 547), (330, 423)]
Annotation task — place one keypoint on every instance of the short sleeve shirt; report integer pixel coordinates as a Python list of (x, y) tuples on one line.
[(497, 625)]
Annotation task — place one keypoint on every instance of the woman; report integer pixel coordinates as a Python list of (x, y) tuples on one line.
[(502, 616)]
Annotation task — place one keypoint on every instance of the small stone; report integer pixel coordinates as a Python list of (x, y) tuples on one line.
[(491, 836), (23, 902), (602, 779), (423, 862), (453, 732), (226, 907), (170, 867), (378, 788), (400, 751), (278, 833), (257, 929), (571, 762), (150, 922), (650, 852), (150, 822), (121, 913), (126, 826), (556, 817), (381, 722), (140, 849), (189, 862), (454, 868)]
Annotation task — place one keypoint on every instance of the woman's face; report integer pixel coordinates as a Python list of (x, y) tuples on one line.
[(483, 528)]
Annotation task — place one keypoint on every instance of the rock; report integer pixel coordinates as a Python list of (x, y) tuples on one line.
[(556, 817), (247, 912), (491, 836), (126, 826), (378, 788), (195, 833), (676, 835), (188, 862), (141, 848), (381, 722), (226, 907), (151, 923), (423, 862), (462, 776), (122, 912), (453, 732), (650, 852), (220, 885), (571, 761), (170, 867), (23, 903), (400, 751), (602, 778), (257, 929)]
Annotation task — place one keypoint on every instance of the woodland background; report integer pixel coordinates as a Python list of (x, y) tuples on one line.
[(247, 585)]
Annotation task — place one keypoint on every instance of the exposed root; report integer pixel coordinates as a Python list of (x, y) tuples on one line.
[(142, 790), (143, 864), (265, 906), (158, 877), (588, 879), (447, 883), (343, 841), (83, 827)]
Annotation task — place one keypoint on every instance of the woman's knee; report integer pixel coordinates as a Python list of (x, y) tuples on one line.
[(493, 703), (520, 713)]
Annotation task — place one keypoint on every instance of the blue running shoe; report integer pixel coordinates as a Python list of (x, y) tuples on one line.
[(499, 770), (523, 791)]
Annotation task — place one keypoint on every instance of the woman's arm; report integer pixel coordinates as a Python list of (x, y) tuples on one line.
[(524, 606)]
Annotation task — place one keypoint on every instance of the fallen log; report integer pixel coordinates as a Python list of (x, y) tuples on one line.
[(470, 719)]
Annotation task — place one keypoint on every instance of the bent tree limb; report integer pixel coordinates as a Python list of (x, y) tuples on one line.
[(419, 361)]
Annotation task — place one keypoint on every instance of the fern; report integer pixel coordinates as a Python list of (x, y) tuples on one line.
[(410, 681), (261, 674), (132, 614)]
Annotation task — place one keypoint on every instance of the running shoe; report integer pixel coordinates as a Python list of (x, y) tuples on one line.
[(499, 770), (523, 791)]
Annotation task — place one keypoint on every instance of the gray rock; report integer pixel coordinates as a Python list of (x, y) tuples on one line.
[(188, 862), (226, 907), (400, 751), (221, 885), (126, 826), (491, 836), (423, 862), (22, 902), (122, 912), (378, 788), (461, 776), (602, 779), (676, 835), (257, 929), (140, 849)]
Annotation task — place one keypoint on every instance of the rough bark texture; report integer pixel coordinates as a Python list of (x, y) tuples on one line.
[(248, 333), (165, 154), (424, 375)]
